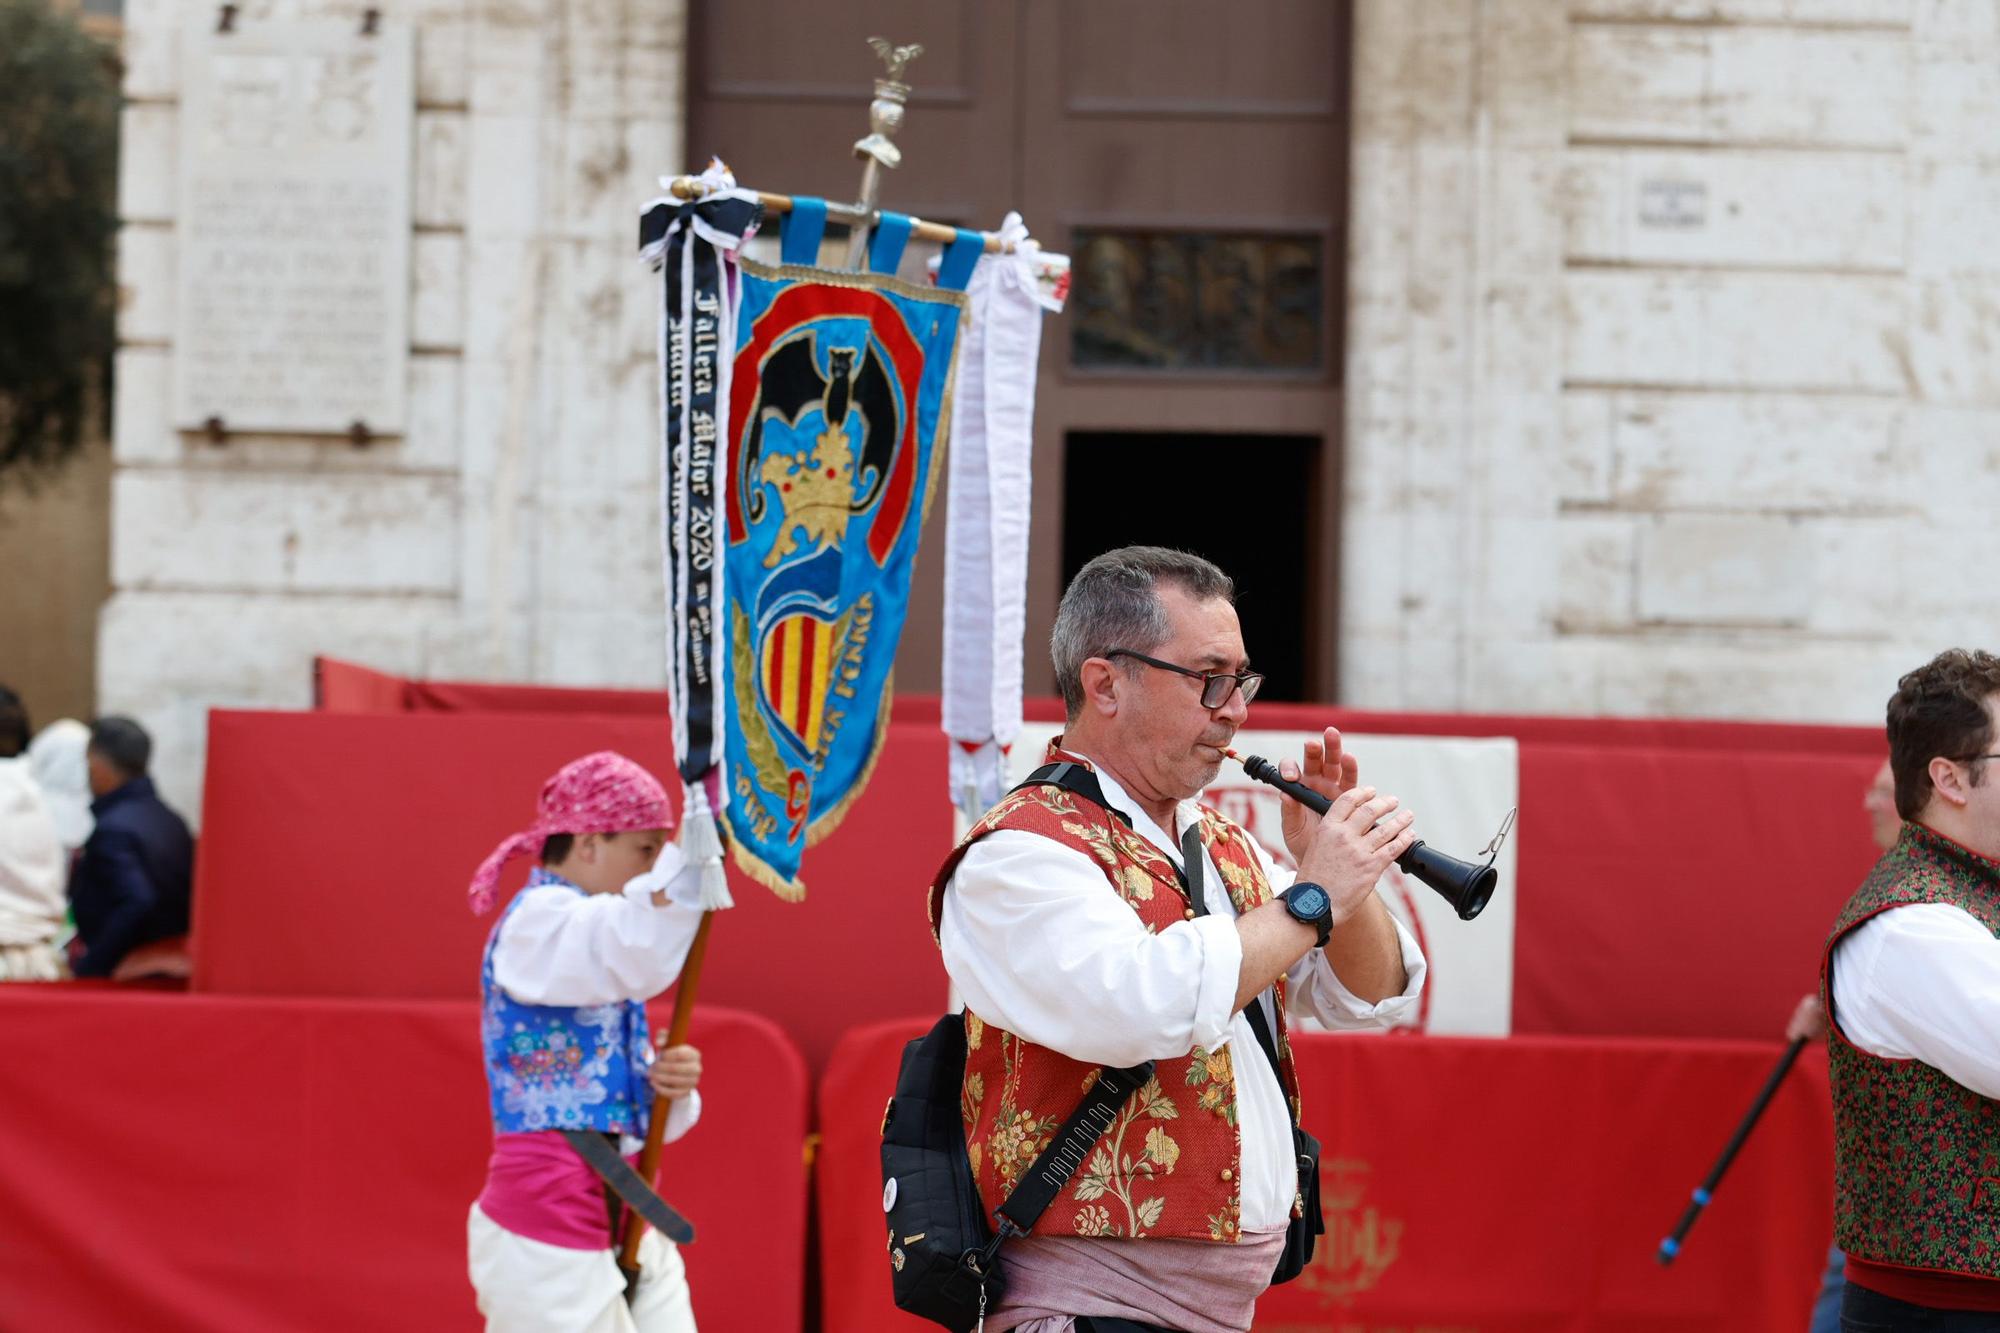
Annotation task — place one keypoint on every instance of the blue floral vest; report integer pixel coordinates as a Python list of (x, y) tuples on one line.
[(552, 1066)]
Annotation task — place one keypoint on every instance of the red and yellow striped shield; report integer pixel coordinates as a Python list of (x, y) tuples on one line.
[(798, 658)]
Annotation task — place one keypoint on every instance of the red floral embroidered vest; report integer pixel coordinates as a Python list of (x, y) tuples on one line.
[(1171, 1165), (1916, 1154)]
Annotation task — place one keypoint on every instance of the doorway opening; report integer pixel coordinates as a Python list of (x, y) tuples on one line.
[(1250, 503)]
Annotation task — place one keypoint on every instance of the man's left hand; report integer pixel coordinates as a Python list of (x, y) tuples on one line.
[(675, 1072), (1329, 771)]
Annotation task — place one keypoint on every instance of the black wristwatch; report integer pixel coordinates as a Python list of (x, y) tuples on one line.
[(1307, 902)]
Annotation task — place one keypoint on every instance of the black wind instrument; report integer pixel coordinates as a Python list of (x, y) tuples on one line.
[(1466, 885)]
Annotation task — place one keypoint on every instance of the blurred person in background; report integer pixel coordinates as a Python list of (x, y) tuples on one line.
[(32, 864), (58, 761), (132, 882), (1808, 1023)]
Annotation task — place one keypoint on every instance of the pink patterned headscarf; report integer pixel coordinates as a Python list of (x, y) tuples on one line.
[(599, 793)]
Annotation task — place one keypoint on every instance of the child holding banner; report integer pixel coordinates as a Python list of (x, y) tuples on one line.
[(604, 923)]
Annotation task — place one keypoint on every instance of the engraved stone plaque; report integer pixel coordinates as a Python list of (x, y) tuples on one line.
[(294, 227)]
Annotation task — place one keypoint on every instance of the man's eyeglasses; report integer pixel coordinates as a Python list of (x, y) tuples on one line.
[(1216, 686)]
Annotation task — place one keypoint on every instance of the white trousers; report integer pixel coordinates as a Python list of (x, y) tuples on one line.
[(529, 1286)]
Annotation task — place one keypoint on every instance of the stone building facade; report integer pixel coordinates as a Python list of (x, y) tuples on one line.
[(1669, 382)]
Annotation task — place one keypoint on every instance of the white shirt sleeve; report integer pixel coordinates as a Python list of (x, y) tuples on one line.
[(559, 947), (1038, 946), (1314, 989), (1923, 983)]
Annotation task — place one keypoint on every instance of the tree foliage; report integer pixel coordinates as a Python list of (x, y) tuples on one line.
[(58, 225)]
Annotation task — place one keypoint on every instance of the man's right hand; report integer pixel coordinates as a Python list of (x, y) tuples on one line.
[(1356, 842)]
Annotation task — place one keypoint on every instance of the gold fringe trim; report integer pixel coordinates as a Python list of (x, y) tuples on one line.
[(747, 861)]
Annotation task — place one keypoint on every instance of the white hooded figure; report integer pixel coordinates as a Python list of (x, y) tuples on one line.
[(57, 759), (34, 876)]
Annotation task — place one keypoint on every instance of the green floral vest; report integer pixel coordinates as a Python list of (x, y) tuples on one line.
[(1916, 1155)]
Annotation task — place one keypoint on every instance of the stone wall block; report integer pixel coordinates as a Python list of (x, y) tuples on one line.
[(1526, 196), (148, 149), (1623, 328), (1956, 85), (238, 532), (432, 440), (437, 299), (1757, 452), (1524, 67), (150, 50), (1740, 207), (600, 647), (1441, 286), (1372, 577), (1740, 85), (1532, 675), (1861, 584), (1594, 562), (1865, 13), (1954, 347), (438, 194), (508, 60), (1963, 21), (588, 540), (504, 177), (1638, 83), (1753, 330), (507, 288), (1954, 207), (1810, 86), (595, 201), (1711, 569), (1375, 466), (1954, 465), (1584, 447), (1516, 459), (142, 408), (1521, 336), (145, 284), (444, 57), (1385, 42), (1515, 576)]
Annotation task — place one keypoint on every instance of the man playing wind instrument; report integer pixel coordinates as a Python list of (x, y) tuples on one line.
[(1067, 929)]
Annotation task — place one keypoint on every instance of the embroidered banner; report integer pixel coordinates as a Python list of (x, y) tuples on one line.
[(839, 404)]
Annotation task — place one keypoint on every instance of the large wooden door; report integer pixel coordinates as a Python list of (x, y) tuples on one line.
[(1192, 159)]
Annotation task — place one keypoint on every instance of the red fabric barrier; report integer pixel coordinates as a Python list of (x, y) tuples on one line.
[(337, 848), (1517, 1186), (207, 1164), (1661, 891), (347, 687), (1680, 892)]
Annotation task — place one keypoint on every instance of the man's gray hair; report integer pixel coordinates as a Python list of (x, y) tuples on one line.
[(1113, 602)]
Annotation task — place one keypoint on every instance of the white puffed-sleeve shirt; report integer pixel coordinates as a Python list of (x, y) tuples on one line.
[(1039, 945)]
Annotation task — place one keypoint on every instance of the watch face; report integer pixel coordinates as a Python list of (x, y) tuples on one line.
[(1311, 901)]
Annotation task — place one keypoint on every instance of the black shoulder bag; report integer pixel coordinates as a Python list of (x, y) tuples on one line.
[(1304, 1230), (943, 1256)]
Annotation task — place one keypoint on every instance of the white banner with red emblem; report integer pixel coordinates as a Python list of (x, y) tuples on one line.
[(1460, 789)]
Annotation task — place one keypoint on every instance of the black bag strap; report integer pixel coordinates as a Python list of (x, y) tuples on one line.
[(1080, 779), (1071, 1145), (629, 1185)]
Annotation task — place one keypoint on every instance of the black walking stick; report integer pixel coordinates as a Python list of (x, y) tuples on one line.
[(1671, 1246)]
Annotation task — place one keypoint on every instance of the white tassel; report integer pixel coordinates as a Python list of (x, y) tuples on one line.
[(701, 843)]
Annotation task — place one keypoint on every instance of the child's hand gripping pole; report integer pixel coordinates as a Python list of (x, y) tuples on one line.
[(656, 1129)]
